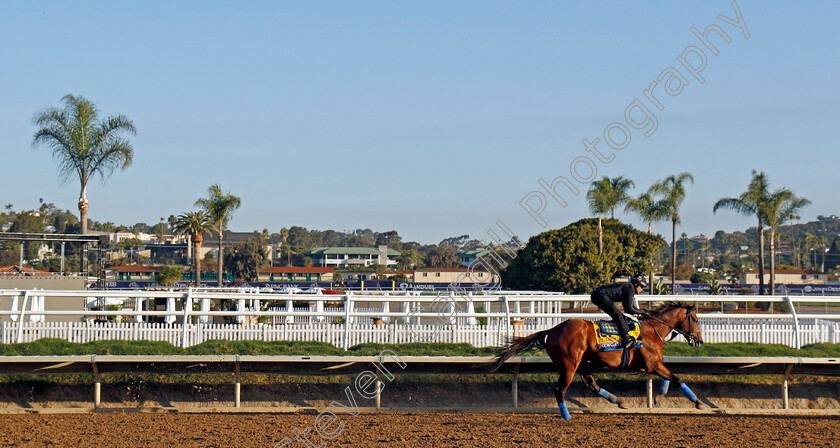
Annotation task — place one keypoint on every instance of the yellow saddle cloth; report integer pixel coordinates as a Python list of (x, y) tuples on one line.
[(607, 335)]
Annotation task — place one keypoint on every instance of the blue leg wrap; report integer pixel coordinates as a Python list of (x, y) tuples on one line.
[(688, 393), (663, 388), (564, 412), (610, 397)]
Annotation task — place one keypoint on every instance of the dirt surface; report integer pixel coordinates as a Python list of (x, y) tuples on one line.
[(416, 430)]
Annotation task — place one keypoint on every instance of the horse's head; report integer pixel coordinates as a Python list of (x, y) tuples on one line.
[(690, 326), (682, 318)]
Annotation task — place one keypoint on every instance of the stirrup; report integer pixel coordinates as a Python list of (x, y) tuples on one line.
[(631, 341)]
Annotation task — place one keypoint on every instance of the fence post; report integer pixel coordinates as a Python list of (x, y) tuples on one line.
[(22, 313), (347, 302), (97, 384), (187, 309), (507, 318), (797, 340), (514, 387), (238, 386)]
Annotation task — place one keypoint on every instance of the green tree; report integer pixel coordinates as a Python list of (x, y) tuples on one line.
[(568, 259), (604, 196), (194, 224), (83, 145), (219, 206), (410, 259), (444, 256), (169, 275), (781, 206), (749, 203), (245, 259), (649, 209), (672, 189)]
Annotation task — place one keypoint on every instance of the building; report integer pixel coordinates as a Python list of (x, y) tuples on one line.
[(786, 277), (133, 273), (452, 275), (469, 256), (295, 274), (387, 275), (348, 256), (24, 271)]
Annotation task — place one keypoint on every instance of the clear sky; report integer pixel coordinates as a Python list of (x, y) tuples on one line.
[(433, 118)]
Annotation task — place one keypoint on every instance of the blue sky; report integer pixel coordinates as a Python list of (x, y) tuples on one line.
[(431, 118)]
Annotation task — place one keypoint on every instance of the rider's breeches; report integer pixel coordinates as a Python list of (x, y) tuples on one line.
[(608, 306)]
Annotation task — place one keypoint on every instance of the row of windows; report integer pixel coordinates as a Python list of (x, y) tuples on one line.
[(437, 274)]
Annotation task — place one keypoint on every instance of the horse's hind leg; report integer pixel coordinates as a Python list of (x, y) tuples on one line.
[(589, 380), (666, 374)]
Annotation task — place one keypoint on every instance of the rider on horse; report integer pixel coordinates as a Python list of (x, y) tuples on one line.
[(605, 298)]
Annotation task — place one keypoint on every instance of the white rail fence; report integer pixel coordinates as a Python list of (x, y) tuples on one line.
[(811, 331), (353, 318)]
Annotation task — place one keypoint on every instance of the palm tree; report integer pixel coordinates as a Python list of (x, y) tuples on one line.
[(219, 206), (672, 189), (649, 209), (284, 232), (781, 206), (83, 145), (749, 203), (604, 196), (194, 224)]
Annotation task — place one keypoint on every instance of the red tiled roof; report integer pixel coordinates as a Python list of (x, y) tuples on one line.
[(137, 268), (27, 270), (295, 270), (393, 272)]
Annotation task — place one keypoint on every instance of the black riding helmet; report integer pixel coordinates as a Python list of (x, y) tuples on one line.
[(638, 280)]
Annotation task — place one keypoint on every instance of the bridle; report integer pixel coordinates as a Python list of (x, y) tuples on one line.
[(677, 329)]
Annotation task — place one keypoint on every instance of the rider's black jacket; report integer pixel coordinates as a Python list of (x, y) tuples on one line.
[(623, 293)]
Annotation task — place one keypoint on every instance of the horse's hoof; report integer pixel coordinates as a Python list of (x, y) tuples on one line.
[(623, 405), (700, 406)]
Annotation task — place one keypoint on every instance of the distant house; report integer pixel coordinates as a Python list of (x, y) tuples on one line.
[(787, 277), (450, 275), (133, 273), (295, 274), (385, 275), (468, 257), (24, 271), (348, 256), (699, 239)]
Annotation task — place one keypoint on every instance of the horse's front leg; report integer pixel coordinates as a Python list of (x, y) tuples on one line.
[(666, 374), (589, 380)]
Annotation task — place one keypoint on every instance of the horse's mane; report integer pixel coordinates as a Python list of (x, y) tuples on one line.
[(671, 304)]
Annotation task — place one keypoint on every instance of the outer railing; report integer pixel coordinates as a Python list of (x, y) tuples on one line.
[(510, 309), (386, 365)]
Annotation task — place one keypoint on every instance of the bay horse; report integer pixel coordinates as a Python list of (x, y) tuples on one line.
[(572, 348)]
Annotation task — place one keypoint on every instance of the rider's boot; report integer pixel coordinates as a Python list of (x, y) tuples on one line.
[(629, 342)]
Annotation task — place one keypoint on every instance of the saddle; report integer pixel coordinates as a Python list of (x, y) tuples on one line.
[(607, 335)]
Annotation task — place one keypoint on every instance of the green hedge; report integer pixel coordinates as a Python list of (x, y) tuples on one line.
[(56, 347)]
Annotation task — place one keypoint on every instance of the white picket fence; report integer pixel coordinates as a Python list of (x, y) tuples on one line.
[(714, 330)]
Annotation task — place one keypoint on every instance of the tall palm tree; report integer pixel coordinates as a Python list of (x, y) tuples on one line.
[(603, 196), (672, 189), (84, 145), (749, 203), (219, 207), (781, 206), (649, 209), (194, 224)]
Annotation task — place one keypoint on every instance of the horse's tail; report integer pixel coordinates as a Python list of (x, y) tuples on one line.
[(517, 345)]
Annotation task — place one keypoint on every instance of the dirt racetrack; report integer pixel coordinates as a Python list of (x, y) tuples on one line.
[(417, 430)]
